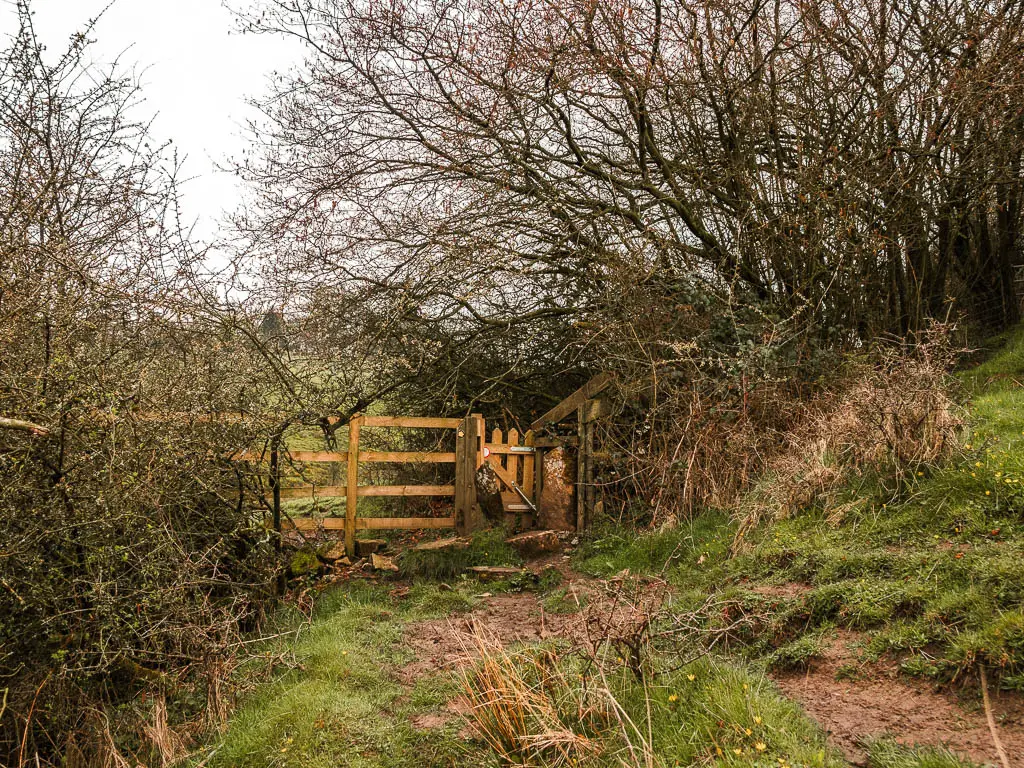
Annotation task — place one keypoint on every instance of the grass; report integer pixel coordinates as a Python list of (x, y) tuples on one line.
[(940, 567), (338, 702), (886, 753), (931, 576), (541, 708), (486, 547), (934, 575), (691, 554)]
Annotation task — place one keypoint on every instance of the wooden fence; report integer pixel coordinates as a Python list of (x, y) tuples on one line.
[(467, 457), (516, 460)]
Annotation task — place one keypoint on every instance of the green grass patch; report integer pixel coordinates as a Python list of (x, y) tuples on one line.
[(486, 547), (887, 753), (338, 701), (562, 600), (692, 552), (798, 654)]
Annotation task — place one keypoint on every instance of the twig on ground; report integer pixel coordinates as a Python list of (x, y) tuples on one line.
[(991, 718)]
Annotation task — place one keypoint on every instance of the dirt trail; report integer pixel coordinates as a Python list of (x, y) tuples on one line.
[(879, 703), (441, 645), (510, 618)]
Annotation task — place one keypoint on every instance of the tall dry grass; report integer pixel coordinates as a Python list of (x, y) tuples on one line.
[(526, 710), (892, 416), (763, 444), (533, 711)]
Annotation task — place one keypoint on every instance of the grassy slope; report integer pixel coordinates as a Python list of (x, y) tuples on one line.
[(937, 569), (936, 575), (933, 577)]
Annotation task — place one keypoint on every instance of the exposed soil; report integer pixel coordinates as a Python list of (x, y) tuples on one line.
[(876, 702), (442, 644), (879, 703), (445, 644)]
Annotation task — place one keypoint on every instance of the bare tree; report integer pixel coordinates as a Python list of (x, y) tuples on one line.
[(128, 556), (856, 165)]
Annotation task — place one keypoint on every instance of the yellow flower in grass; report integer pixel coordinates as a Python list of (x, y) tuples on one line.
[(673, 698), (988, 493), (748, 731), (757, 719), (737, 751), (691, 678), (760, 746)]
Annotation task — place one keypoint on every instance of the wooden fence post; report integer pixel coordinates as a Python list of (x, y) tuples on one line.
[(529, 461), (352, 486), (275, 489), (585, 491), (466, 449)]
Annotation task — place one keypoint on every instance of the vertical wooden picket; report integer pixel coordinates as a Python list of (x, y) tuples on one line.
[(467, 519), (496, 440), (352, 486), (514, 459), (528, 468), (481, 438)]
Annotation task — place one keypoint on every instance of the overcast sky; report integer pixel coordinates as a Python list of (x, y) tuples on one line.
[(195, 69)]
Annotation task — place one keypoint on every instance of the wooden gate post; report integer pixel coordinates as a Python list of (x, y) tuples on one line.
[(586, 413), (466, 449), (352, 486), (275, 487)]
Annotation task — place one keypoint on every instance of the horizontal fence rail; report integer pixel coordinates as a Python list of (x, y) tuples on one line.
[(369, 523), (378, 457), (467, 456), (341, 491)]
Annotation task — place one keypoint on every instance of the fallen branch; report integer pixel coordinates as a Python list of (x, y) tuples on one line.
[(991, 719), (24, 426)]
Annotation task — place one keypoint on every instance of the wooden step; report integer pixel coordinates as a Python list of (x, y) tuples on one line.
[(512, 502)]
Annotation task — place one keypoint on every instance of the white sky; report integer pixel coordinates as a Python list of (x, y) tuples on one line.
[(196, 72)]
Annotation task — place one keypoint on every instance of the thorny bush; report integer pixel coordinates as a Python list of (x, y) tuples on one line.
[(718, 399), (128, 562)]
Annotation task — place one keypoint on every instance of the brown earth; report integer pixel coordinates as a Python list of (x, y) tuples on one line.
[(445, 644), (878, 702)]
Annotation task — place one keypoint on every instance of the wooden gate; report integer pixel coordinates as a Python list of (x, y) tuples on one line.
[(467, 458), (516, 467)]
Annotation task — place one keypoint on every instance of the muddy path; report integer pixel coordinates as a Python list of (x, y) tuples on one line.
[(877, 701), (873, 702)]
